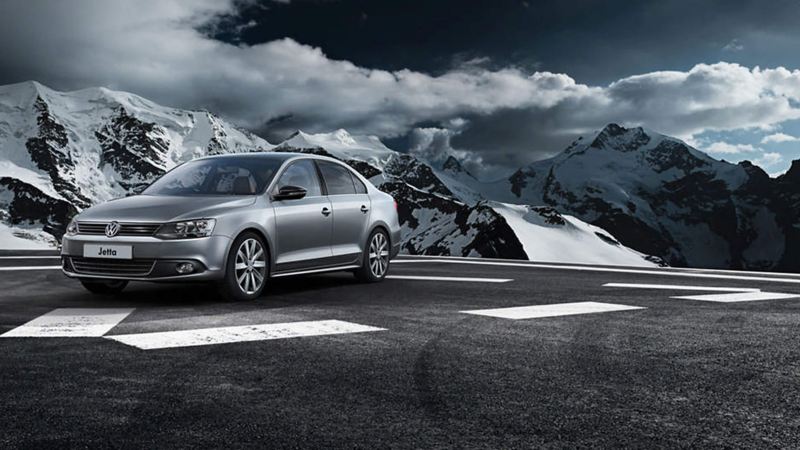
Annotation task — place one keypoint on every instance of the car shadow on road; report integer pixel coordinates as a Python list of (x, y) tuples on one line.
[(279, 292)]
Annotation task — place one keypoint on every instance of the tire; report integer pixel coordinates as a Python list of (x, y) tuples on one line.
[(246, 269), (375, 262), (104, 287)]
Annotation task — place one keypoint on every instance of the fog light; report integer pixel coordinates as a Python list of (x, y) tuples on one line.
[(184, 268)]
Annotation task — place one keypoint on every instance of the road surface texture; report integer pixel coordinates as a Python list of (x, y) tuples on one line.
[(452, 353)]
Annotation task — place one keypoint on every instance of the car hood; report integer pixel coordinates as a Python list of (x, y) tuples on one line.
[(163, 208)]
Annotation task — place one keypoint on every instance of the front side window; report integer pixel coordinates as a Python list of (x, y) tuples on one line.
[(337, 179), (302, 174), (217, 176)]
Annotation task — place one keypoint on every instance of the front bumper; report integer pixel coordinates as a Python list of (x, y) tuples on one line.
[(157, 258)]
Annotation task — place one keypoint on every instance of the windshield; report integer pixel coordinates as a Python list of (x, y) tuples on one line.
[(217, 176)]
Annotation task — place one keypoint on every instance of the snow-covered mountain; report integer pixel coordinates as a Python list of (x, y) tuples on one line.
[(662, 197), (62, 152), (441, 214)]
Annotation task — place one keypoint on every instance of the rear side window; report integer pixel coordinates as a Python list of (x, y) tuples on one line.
[(337, 179), (360, 187)]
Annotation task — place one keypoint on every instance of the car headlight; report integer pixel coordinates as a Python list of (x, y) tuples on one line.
[(186, 229), (72, 228)]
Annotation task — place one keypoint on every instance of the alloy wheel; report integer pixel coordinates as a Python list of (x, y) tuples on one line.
[(378, 255), (251, 266)]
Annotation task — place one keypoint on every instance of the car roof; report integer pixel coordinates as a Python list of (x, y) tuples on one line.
[(275, 156)]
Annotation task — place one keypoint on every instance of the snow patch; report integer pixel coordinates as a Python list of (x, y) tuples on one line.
[(573, 241)]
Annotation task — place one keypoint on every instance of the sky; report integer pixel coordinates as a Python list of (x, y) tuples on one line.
[(498, 83)]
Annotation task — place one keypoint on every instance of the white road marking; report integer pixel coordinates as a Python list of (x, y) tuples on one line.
[(684, 269), (735, 272), (29, 257), (247, 333), (671, 287), (72, 322), (739, 297), (664, 273), (732, 295), (560, 309), (423, 278), (8, 269)]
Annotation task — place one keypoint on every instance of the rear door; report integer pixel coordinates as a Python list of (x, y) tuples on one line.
[(351, 209), (303, 227)]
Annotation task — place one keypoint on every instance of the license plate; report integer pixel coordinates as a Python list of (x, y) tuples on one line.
[(108, 251)]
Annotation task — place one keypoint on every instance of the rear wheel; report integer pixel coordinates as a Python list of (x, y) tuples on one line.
[(104, 287), (375, 262), (247, 269)]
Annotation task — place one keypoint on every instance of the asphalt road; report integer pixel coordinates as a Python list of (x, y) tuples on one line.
[(677, 373)]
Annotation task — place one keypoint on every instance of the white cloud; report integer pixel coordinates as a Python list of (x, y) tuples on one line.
[(432, 144), (768, 159), (768, 127), (779, 137), (153, 48), (733, 46), (728, 148)]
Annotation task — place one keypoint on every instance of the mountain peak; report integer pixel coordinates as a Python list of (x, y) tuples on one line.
[(341, 135), (452, 165), (613, 130), (23, 93), (30, 84), (34, 85), (793, 174), (615, 137)]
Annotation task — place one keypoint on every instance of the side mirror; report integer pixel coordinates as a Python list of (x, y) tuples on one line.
[(290, 193)]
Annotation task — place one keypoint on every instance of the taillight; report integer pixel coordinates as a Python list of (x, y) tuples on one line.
[(395, 205)]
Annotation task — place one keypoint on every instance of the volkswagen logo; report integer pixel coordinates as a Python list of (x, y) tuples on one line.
[(112, 229)]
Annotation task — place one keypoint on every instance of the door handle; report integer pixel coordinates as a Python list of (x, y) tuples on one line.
[(326, 212), (364, 209)]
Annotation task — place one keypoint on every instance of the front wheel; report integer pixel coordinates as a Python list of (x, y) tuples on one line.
[(104, 287), (247, 269), (375, 262)]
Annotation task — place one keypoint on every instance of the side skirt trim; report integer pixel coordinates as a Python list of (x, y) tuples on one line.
[(326, 269)]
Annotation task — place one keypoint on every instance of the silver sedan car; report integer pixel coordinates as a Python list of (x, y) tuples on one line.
[(237, 220)]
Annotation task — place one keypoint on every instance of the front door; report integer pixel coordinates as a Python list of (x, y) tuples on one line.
[(303, 227)]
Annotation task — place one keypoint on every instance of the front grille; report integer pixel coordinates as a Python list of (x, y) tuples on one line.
[(125, 229), (130, 268)]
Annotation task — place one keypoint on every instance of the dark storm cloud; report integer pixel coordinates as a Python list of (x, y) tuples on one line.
[(494, 112), (708, 97), (595, 41)]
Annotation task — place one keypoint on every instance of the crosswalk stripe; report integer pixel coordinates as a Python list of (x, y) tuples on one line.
[(246, 333), (72, 322), (464, 279), (673, 287), (739, 297), (8, 269), (554, 310), (31, 257), (731, 295)]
